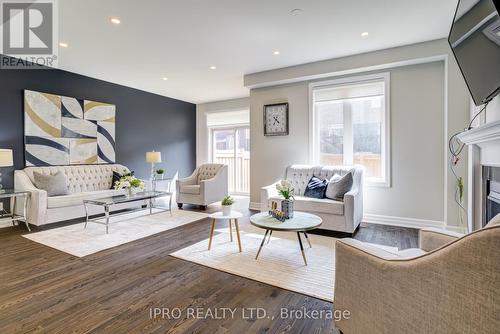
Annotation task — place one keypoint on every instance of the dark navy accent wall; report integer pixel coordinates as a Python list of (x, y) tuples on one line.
[(144, 121)]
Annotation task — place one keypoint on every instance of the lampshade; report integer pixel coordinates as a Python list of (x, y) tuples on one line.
[(6, 159), (153, 157)]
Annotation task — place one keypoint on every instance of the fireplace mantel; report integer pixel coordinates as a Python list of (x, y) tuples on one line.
[(484, 135)]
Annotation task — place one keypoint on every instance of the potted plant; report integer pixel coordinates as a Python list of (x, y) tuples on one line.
[(130, 183), (285, 189), (160, 172), (227, 204)]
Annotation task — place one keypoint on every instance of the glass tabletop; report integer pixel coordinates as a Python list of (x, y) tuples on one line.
[(5, 193), (301, 221), (110, 200)]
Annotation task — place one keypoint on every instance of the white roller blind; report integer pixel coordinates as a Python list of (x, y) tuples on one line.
[(217, 119), (349, 91)]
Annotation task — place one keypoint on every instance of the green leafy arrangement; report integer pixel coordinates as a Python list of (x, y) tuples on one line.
[(228, 200), (285, 189), (160, 171)]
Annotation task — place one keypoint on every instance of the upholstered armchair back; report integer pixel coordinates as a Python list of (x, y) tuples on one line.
[(208, 171), (82, 178), (299, 175)]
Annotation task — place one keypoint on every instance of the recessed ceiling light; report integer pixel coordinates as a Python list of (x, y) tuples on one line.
[(364, 34), (115, 20), (276, 53), (63, 45), (213, 67), (165, 78), (296, 11)]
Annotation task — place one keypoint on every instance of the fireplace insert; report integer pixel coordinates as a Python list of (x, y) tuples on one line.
[(491, 193)]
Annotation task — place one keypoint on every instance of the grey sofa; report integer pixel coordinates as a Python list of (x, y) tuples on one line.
[(451, 284), (343, 216)]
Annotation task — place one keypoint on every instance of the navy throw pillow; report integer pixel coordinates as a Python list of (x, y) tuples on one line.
[(316, 188)]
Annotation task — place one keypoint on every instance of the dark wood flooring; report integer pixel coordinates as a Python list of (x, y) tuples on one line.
[(43, 290)]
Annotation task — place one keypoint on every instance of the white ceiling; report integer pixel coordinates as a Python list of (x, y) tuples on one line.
[(181, 39)]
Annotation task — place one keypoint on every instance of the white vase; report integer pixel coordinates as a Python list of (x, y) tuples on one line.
[(226, 210)]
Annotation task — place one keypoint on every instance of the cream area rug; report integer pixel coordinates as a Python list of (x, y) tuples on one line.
[(79, 241), (279, 264)]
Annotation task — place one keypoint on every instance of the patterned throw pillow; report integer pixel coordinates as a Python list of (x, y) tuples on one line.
[(339, 186), (316, 188), (54, 185)]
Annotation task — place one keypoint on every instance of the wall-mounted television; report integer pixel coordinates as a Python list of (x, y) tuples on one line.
[(475, 41)]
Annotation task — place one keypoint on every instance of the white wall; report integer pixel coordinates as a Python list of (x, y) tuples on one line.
[(429, 102), (202, 133)]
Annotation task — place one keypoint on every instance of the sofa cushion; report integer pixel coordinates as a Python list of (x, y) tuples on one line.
[(307, 204), (339, 186), (190, 189), (316, 188), (77, 199), (54, 185), (117, 176)]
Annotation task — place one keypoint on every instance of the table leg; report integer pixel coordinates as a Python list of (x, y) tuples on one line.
[(170, 204), (25, 211), (150, 206), (86, 214), (230, 230), (106, 212), (302, 248), (237, 233), (211, 234), (308, 241), (269, 238), (261, 244)]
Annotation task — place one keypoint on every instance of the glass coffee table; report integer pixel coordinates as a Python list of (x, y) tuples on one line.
[(300, 223), (108, 202)]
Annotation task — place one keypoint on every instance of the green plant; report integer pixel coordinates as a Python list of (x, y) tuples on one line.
[(228, 200), (160, 171), (135, 183)]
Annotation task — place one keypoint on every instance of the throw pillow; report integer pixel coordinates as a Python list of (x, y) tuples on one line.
[(339, 186), (54, 185), (316, 188), (117, 176)]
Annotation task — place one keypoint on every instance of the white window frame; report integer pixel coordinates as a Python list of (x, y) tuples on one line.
[(386, 128)]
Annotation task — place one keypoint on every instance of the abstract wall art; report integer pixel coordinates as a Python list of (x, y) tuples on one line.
[(62, 130)]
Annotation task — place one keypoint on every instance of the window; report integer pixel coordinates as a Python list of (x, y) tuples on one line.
[(229, 135), (350, 119)]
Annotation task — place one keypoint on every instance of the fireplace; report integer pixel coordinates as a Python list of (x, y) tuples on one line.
[(491, 193)]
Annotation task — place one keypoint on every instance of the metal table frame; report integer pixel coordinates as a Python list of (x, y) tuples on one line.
[(12, 216), (108, 205)]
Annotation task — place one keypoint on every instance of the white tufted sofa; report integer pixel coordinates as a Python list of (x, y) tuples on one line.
[(207, 184), (344, 216), (83, 181)]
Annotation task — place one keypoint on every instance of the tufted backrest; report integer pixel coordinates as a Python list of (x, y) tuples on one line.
[(299, 175), (82, 178), (208, 171)]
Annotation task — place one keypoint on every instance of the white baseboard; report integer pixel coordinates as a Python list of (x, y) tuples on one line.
[(254, 206), (402, 221)]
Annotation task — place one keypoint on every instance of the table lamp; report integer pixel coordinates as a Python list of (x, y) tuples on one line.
[(6, 160), (153, 158)]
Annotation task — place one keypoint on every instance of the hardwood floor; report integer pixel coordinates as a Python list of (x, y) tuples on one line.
[(47, 291)]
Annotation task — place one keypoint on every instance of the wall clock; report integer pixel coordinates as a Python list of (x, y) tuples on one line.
[(276, 119)]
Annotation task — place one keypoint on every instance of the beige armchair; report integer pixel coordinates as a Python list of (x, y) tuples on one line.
[(207, 184), (451, 284)]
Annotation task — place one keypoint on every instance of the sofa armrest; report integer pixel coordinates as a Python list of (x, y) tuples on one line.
[(368, 249), (433, 238), (216, 188), (37, 203), (353, 208), (265, 194), (190, 180)]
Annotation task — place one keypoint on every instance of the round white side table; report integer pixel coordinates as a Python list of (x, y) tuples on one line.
[(234, 216)]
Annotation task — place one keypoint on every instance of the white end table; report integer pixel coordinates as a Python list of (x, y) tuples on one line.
[(235, 215)]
